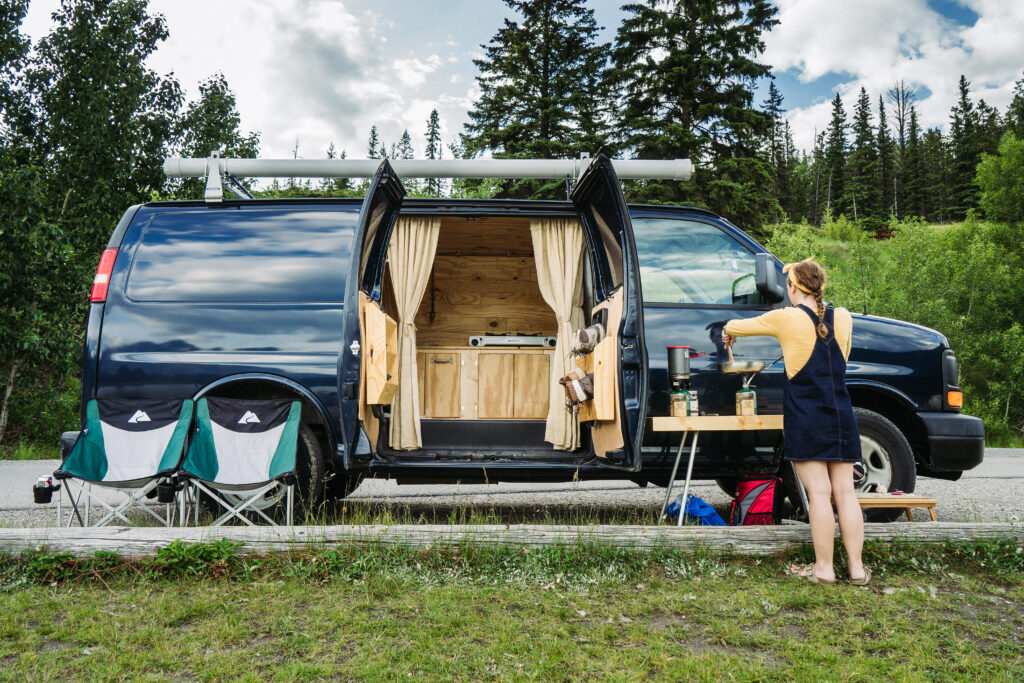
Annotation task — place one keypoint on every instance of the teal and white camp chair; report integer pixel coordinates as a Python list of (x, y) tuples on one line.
[(243, 451), (129, 445)]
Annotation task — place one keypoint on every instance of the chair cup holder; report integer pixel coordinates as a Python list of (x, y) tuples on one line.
[(43, 494), (166, 493)]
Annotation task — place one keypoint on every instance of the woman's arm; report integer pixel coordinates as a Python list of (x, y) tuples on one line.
[(767, 324)]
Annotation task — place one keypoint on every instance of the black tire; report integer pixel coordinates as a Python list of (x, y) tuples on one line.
[(343, 484), (728, 485), (888, 460)]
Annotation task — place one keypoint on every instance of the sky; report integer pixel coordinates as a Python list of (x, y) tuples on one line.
[(307, 73)]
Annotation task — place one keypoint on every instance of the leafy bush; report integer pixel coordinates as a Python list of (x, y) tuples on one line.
[(1001, 179), (962, 280)]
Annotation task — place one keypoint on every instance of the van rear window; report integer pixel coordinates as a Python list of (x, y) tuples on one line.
[(244, 256)]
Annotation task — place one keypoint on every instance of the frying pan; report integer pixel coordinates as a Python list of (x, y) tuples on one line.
[(739, 367)]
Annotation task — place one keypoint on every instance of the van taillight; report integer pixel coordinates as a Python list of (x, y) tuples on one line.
[(102, 279)]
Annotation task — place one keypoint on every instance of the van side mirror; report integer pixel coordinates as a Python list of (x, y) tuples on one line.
[(766, 277)]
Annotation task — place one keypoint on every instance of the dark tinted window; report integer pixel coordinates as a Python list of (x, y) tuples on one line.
[(245, 256), (689, 262)]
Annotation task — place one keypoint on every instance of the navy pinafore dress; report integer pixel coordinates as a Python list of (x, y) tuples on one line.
[(820, 424)]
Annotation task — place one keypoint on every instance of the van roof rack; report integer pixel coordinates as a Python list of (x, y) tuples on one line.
[(217, 170)]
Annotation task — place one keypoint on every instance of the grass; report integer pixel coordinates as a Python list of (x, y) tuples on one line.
[(475, 613), (26, 450)]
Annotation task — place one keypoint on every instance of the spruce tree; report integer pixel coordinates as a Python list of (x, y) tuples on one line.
[(939, 178), (541, 89), (887, 186), (862, 166), (1015, 112), (336, 187), (963, 138), (374, 148), (432, 186), (835, 160), (913, 172), (685, 72)]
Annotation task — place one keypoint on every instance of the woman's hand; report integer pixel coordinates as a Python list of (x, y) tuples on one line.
[(727, 340)]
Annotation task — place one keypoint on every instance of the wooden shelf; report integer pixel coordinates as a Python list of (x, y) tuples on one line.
[(716, 423)]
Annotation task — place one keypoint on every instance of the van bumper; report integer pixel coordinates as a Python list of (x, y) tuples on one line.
[(955, 442)]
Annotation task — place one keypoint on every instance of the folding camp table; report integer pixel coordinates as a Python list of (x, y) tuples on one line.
[(704, 423)]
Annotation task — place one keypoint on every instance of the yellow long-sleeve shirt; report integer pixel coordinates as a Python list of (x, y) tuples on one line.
[(795, 331)]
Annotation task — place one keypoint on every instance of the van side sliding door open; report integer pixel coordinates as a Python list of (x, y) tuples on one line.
[(367, 357), (618, 431)]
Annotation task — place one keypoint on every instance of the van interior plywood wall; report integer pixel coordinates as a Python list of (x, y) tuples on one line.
[(484, 282)]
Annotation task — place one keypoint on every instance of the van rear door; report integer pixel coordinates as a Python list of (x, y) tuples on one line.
[(366, 271), (622, 355)]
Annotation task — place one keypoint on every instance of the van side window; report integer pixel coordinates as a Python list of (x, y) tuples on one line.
[(689, 262), (243, 256)]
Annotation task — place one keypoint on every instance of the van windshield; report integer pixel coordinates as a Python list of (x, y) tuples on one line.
[(243, 256)]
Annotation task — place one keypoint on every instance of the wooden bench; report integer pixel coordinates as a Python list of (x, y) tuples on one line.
[(904, 501)]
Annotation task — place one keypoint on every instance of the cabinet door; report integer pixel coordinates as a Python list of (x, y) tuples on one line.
[(442, 392), (495, 386), (532, 377)]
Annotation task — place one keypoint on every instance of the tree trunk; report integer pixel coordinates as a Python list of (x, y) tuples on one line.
[(15, 366)]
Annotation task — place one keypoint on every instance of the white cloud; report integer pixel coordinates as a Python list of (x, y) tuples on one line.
[(880, 42)]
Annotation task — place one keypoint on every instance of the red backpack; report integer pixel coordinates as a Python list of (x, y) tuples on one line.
[(757, 501)]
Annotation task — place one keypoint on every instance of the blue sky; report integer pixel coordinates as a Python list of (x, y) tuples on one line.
[(313, 72)]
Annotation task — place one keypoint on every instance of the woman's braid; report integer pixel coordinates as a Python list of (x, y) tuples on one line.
[(812, 276)]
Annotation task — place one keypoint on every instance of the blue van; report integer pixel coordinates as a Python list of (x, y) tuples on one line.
[(253, 298)]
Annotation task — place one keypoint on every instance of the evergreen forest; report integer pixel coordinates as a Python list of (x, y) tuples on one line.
[(921, 224)]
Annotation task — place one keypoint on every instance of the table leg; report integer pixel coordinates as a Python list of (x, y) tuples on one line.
[(689, 474), (672, 479), (909, 515), (931, 511)]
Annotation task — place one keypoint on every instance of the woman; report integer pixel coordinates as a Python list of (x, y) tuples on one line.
[(821, 437)]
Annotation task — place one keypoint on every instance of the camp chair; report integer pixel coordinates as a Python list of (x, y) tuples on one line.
[(130, 445), (245, 449)]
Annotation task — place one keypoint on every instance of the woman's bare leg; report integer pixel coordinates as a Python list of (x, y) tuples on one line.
[(815, 477), (851, 519)]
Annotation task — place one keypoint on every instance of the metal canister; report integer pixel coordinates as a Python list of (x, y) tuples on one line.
[(694, 408), (746, 402), (680, 405)]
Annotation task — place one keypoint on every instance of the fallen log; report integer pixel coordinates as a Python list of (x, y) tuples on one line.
[(753, 540)]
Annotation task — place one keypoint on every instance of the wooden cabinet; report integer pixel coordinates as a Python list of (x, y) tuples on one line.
[(442, 385), (531, 376), (478, 384)]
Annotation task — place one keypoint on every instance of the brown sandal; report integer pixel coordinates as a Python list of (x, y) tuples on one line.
[(806, 573), (864, 580)]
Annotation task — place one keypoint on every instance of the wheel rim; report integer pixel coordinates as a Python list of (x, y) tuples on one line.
[(876, 466), (264, 502)]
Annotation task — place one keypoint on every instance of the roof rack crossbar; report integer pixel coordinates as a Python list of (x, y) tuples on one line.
[(215, 169)]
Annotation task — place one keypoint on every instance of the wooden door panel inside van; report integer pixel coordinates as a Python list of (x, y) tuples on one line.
[(380, 355), (606, 431)]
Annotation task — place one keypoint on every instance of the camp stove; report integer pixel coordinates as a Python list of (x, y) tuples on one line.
[(512, 340)]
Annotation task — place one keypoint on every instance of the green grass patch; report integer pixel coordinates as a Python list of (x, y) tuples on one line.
[(26, 450), (493, 613)]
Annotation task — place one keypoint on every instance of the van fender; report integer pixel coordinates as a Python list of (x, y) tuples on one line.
[(285, 383), (884, 389)]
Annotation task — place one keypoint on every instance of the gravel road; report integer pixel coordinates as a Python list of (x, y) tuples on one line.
[(993, 492)]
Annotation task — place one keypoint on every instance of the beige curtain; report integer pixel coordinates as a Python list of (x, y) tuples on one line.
[(558, 250), (411, 256)]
